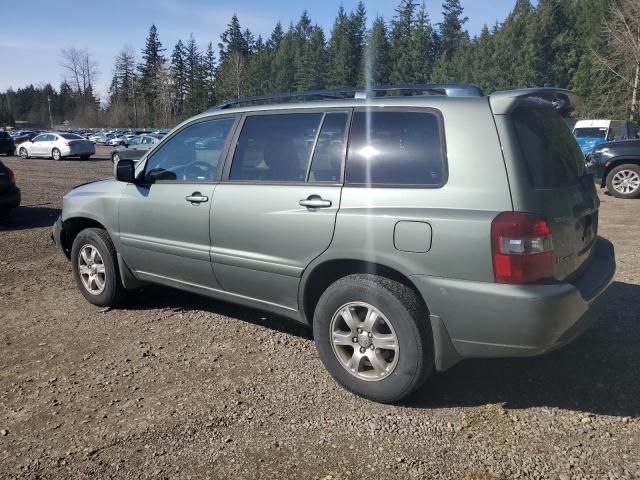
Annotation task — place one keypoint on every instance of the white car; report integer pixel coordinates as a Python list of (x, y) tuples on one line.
[(57, 146)]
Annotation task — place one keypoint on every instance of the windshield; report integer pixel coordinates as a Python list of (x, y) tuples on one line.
[(590, 132)]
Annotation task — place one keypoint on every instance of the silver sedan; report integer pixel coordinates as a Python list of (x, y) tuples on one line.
[(57, 146)]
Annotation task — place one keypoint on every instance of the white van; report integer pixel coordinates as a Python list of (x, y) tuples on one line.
[(590, 133)]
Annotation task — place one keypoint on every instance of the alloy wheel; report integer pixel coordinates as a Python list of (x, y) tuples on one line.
[(364, 341), (92, 270), (626, 182)]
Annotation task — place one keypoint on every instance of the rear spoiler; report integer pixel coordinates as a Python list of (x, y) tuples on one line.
[(504, 102)]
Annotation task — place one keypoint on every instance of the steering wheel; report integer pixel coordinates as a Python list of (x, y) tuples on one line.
[(199, 169)]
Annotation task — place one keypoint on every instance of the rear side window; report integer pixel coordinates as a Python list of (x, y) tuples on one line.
[(275, 148), (551, 155), (396, 148)]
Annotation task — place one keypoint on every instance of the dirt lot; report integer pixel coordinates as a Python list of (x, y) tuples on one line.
[(176, 385)]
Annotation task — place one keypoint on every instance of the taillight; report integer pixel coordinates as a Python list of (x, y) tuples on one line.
[(522, 248), (12, 177)]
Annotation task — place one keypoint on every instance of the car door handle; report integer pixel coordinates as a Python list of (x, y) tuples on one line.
[(315, 201), (197, 197)]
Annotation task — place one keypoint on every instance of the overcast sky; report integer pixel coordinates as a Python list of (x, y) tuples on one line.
[(34, 32)]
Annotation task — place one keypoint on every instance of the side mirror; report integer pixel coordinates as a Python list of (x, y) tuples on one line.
[(126, 171)]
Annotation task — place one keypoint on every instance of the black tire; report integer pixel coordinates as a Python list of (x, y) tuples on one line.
[(113, 292), (4, 216), (634, 171), (406, 314), (56, 153), (23, 152), (84, 157)]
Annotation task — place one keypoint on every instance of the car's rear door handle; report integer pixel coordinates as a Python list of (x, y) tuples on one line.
[(197, 197), (315, 201)]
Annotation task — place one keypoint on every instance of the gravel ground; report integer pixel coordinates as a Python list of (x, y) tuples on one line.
[(179, 386)]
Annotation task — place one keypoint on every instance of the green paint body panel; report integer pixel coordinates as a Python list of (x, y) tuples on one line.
[(253, 243)]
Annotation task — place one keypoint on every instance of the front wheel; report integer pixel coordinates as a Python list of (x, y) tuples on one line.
[(23, 153), (624, 181), (55, 154), (373, 336), (95, 267), (115, 158)]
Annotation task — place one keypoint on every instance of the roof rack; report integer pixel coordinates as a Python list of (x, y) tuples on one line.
[(448, 89)]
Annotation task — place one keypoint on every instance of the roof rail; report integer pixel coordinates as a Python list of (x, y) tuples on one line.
[(448, 89)]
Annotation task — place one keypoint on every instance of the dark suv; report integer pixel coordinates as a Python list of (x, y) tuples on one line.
[(617, 166), (6, 144)]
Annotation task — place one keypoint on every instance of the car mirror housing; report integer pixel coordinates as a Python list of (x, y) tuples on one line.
[(125, 171)]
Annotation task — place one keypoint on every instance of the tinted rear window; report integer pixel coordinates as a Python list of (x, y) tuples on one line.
[(550, 152), (71, 136), (395, 148)]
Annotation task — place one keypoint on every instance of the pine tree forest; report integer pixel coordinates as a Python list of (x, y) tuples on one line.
[(590, 46)]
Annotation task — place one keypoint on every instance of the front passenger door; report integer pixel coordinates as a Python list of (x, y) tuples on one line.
[(164, 218), (37, 145)]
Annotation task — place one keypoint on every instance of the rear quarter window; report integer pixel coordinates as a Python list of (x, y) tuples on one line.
[(550, 153), (396, 148)]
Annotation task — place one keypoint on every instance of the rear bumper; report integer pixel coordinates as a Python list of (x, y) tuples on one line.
[(78, 151), (10, 199), (494, 320)]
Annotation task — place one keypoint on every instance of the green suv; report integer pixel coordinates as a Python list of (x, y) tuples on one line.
[(410, 231)]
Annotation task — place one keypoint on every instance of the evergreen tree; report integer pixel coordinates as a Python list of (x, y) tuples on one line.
[(401, 33), (179, 74), (421, 51), (150, 68), (376, 69), (346, 47), (312, 72), (451, 29), (232, 40), (276, 37)]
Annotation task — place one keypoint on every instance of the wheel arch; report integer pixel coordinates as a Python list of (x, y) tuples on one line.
[(71, 227), (318, 277), (616, 162)]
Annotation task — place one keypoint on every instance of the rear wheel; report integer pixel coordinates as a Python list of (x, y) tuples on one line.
[(55, 154), (624, 181), (95, 267), (23, 153), (374, 338), (84, 157), (115, 158), (4, 215)]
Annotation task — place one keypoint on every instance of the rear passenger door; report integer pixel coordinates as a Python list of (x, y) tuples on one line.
[(276, 206)]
